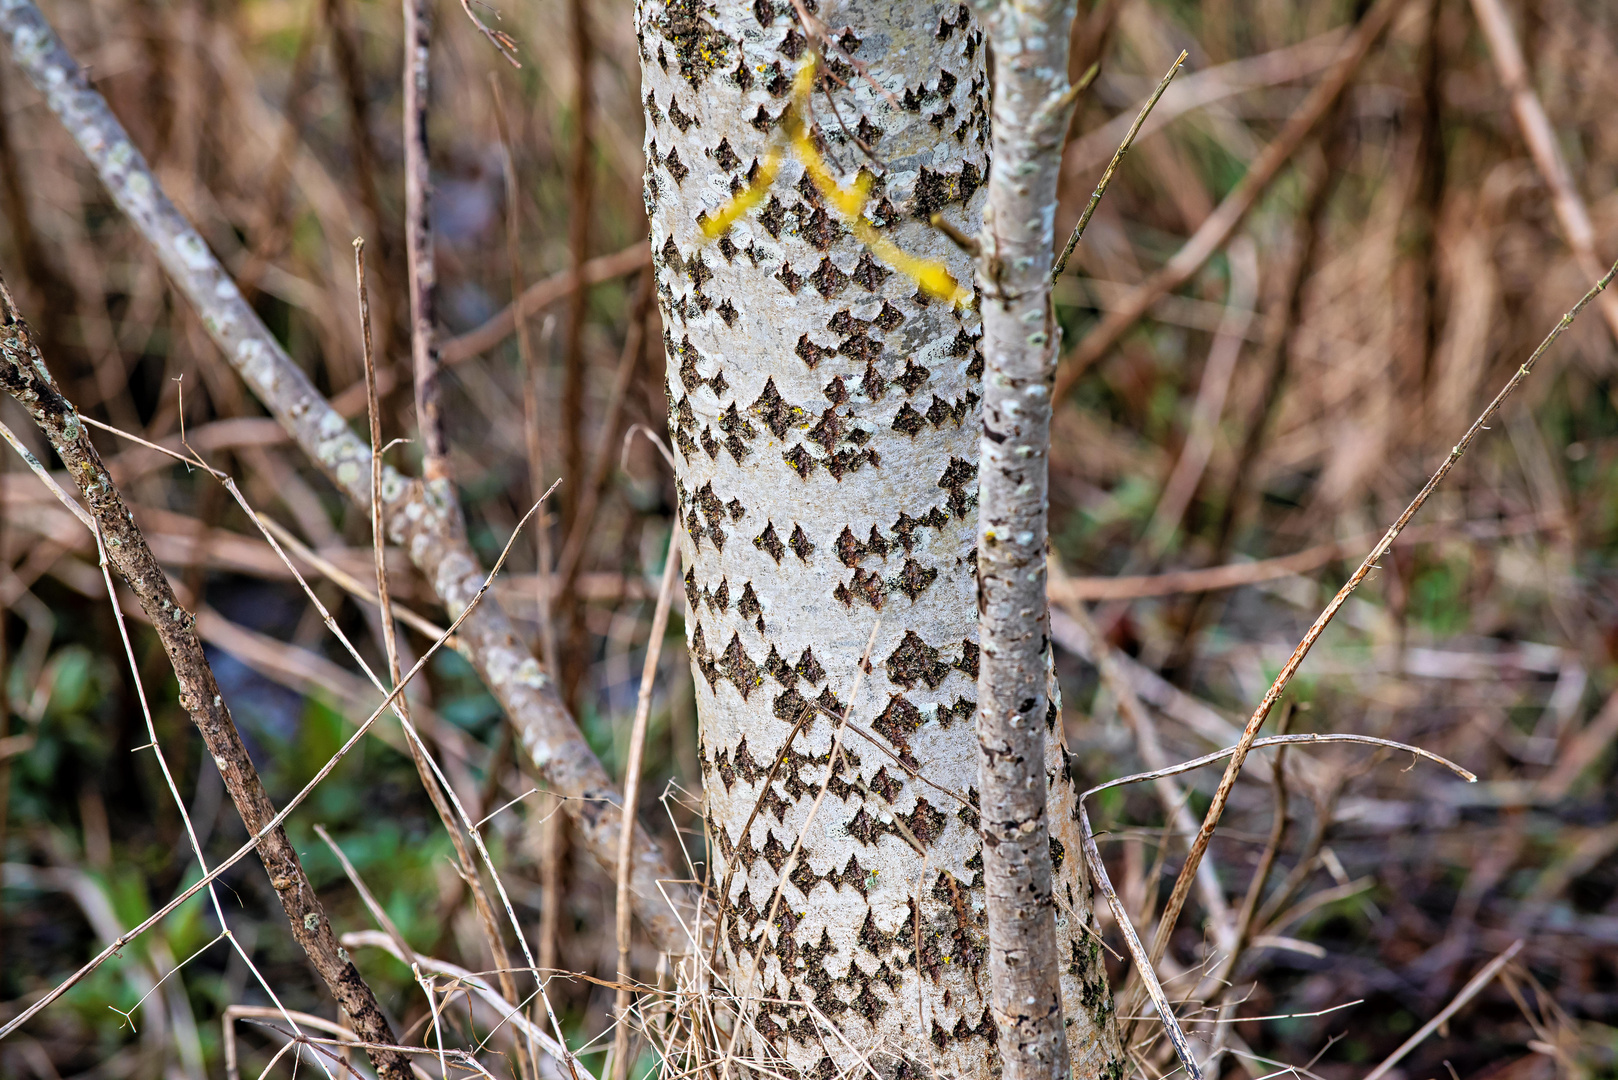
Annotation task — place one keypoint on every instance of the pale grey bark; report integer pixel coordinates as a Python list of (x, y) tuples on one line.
[(826, 420), (432, 537), (1020, 338)]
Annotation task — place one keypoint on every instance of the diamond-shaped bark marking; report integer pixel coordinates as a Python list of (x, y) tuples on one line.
[(788, 277), (677, 117), (829, 430), (836, 392), (739, 668), (763, 121), (863, 829), (802, 462), (691, 588), (866, 586), (869, 274), (747, 767), (800, 544), (687, 445), (793, 44), (748, 604), (684, 416), (861, 348), (844, 323), (827, 279), (690, 378), (697, 269), (726, 309), (653, 113), (693, 527), (968, 662), (822, 230), (774, 218), (908, 420), (926, 822), (873, 385), (719, 385), (731, 422), (853, 875), (735, 509), (671, 256), (957, 477), (725, 157), (789, 707), (858, 436), (849, 548), (720, 600), (803, 877), (675, 166), (915, 661), (889, 318), (779, 670), (709, 443), (704, 659), (809, 667), (769, 543), (963, 710), (775, 853), (877, 544), (810, 353), (914, 578), (886, 786), (898, 721), (868, 132), (849, 460), (712, 508), (912, 378), (773, 409)]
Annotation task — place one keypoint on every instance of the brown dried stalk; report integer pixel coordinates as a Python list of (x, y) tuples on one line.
[(632, 766), (1199, 846), (1537, 132), (1222, 224), (401, 707), (1112, 167), (26, 379), (541, 295), (418, 524)]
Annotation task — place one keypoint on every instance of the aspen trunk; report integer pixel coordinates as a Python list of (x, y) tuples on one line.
[(826, 421)]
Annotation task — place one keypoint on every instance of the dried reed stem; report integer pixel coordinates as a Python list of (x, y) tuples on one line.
[(541, 295), (1112, 167), (1228, 216), (1537, 132), (632, 767), (1468, 992), (1199, 846), (468, 869)]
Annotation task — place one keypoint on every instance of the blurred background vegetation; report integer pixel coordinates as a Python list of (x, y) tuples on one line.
[(1401, 266)]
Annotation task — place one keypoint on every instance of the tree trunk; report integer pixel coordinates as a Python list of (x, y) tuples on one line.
[(826, 419), (1020, 343)]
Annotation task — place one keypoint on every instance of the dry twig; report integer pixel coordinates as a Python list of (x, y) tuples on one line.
[(415, 522), (26, 379)]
